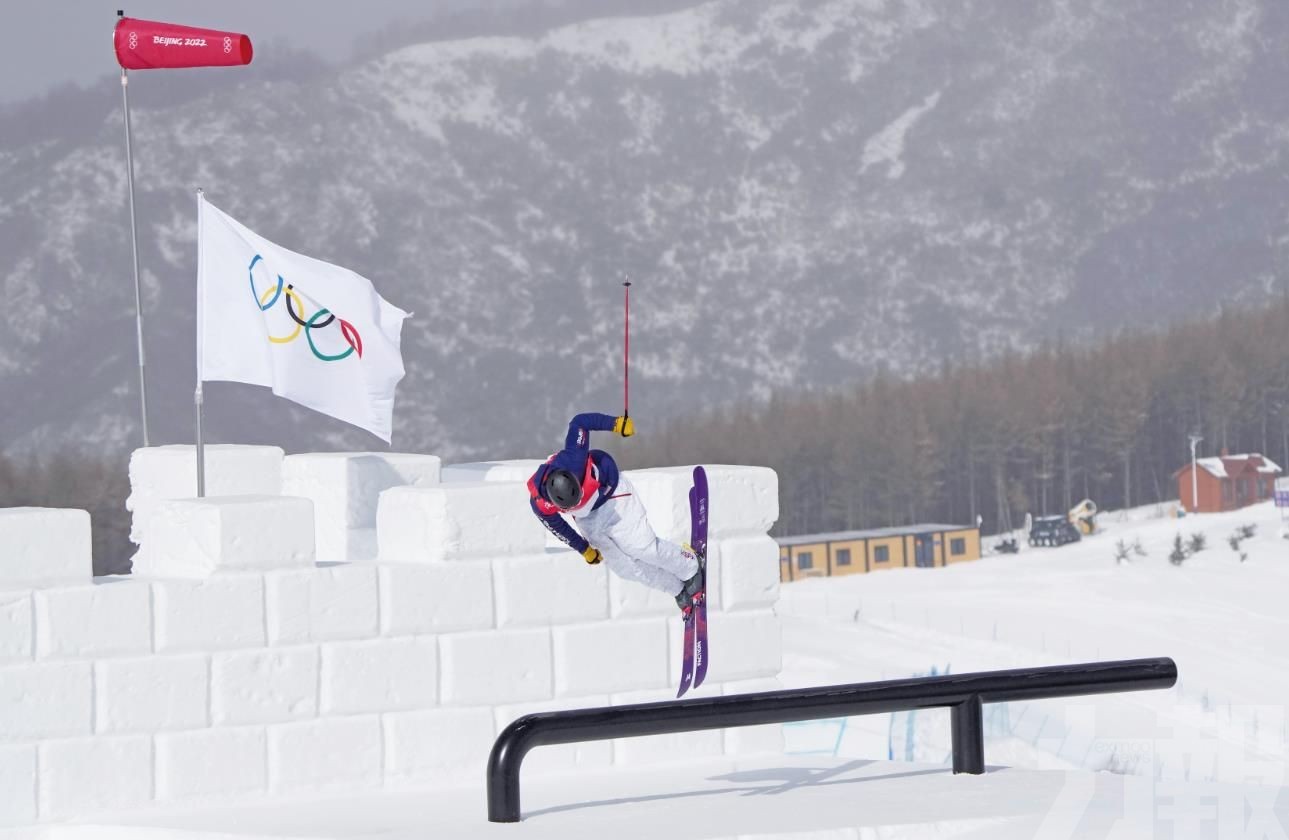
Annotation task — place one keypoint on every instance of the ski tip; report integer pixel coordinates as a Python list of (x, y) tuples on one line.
[(683, 688)]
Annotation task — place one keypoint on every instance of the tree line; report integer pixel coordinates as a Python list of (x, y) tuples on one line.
[(1033, 432), (1023, 433)]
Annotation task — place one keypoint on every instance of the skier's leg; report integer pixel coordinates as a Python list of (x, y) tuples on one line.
[(599, 527), (630, 531), (629, 568)]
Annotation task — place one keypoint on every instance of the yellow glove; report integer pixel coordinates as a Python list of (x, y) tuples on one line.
[(592, 555), (624, 426)]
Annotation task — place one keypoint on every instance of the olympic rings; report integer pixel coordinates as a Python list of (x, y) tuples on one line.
[(309, 335), (290, 293), (291, 311), (295, 309), (251, 272)]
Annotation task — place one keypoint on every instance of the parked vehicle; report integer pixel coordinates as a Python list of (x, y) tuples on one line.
[(1053, 531)]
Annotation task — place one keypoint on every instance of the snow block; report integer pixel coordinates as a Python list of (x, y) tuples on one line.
[(437, 744), (94, 774), (744, 500), (212, 762), (664, 492), (341, 753), (554, 587), (194, 538), (45, 701), (617, 657), (170, 472), (44, 545), (560, 756), (435, 598), (17, 627), (221, 612), (345, 545), (520, 469), (151, 694), (515, 470), (345, 488), (17, 785), (685, 746), (108, 617), (264, 686), (380, 675), (160, 473), (628, 599), (456, 521), (745, 573), (321, 604), (749, 645), (508, 666)]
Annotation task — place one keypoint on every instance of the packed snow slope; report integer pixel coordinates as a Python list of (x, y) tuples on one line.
[(1221, 619), (1207, 759), (801, 798), (803, 191)]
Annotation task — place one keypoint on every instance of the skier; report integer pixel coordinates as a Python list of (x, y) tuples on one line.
[(585, 484)]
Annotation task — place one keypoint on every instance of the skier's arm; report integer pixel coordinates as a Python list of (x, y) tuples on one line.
[(581, 426), (559, 526)]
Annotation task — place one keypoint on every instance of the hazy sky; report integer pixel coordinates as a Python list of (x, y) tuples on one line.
[(55, 42)]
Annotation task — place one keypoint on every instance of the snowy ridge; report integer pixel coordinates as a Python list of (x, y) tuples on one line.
[(730, 157), (887, 146)]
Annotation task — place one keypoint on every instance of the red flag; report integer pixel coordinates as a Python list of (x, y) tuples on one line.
[(148, 44)]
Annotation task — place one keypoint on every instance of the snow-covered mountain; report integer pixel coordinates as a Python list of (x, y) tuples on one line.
[(802, 190)]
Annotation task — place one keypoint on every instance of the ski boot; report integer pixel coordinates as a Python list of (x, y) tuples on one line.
[(692, 588)]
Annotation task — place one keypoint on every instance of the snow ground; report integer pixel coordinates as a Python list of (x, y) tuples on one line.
[(1222, 620), (1206, 759), (796, 797)]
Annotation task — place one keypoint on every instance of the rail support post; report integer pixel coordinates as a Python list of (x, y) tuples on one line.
[(503, 772), (967, 721)]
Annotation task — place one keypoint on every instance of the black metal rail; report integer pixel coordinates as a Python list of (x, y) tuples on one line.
[(963, 694)]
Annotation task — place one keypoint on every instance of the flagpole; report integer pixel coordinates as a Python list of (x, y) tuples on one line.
[(626, 346), (134, 239), (197, 397)]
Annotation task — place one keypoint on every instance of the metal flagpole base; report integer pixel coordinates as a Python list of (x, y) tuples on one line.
[(197, 400)]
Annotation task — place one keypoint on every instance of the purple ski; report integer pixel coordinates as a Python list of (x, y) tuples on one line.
[(695, 654)]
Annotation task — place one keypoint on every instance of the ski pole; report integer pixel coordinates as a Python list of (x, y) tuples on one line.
[(626, 347)]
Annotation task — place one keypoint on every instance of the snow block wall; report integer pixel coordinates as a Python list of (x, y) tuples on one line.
[(236, 663), (159, 474), (345, 489)]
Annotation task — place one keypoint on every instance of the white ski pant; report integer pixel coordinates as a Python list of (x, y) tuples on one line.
[(620, 530)]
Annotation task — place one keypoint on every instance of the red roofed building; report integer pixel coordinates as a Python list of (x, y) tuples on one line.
[(1228, 482)]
